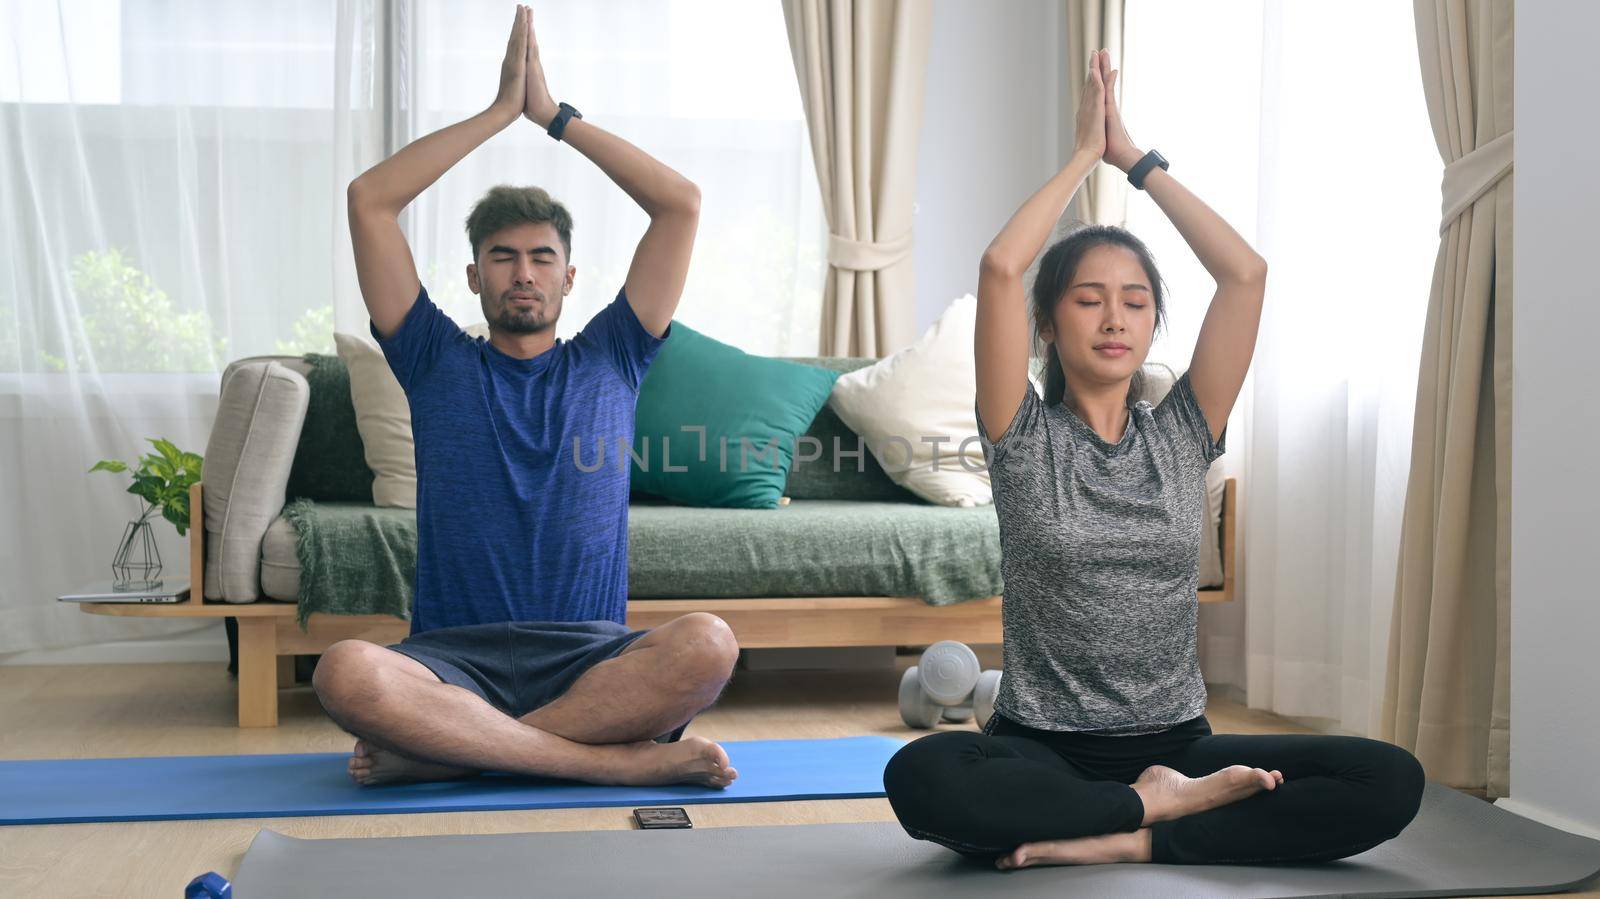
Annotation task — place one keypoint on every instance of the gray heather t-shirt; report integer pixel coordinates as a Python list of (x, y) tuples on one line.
[(1100, 547)]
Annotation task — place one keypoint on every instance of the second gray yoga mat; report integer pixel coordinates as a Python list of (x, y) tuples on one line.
[(1457, 846)]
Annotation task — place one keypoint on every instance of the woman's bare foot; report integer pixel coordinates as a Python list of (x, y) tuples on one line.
[(370, 765), (693, 760), (1168, 795), (1099, 850)]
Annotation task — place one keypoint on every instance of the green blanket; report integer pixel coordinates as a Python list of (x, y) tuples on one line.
[(361, 559), (355, 559)]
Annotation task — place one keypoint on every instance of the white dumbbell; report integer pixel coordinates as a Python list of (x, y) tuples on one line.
[(947, 683)]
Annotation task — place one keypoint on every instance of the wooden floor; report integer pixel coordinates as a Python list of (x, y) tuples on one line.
[(188, 709)]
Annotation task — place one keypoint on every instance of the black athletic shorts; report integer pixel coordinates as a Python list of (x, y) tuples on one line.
[(520, 666)]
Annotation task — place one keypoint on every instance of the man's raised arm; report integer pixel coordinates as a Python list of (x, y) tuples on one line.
[(384, 267), (661, 261)]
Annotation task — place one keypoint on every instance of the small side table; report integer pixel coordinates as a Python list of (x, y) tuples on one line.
[(261, 670)]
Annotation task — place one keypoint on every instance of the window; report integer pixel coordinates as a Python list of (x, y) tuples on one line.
[(1304, 126), (174, 171), (706, 87)]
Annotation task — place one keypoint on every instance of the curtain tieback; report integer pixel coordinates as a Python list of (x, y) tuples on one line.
[(867, 255), (1471, 176)]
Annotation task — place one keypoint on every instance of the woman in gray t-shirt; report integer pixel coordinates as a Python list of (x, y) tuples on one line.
[(1099, 749)]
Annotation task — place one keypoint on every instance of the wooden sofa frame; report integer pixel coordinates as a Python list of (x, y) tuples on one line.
[(270, 637)]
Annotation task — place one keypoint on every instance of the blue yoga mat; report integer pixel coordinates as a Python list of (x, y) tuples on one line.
[(66, 791)]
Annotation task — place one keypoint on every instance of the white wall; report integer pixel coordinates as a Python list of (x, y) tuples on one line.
[(990, 134), (1555, 615)]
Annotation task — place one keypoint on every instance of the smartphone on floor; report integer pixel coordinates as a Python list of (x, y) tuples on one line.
[(661, 818)]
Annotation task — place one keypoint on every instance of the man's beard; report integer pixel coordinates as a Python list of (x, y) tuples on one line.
[(515, 320)]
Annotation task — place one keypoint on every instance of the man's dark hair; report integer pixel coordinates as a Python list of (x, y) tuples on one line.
[(504, 206)]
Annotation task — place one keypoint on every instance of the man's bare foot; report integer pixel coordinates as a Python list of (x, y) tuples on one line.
[(1169, 795), (693, 760), (1099, 850), (370, 765)]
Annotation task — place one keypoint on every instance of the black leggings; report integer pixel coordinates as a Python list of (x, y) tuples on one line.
[(984, 794)]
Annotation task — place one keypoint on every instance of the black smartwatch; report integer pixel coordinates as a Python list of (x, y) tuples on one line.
[(1143, 167), (558, 125)]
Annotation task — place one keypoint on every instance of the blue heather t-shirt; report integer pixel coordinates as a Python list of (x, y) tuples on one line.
[(508, 526)]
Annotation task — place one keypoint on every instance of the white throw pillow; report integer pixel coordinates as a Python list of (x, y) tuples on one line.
[(925, 390), (1211, 542)]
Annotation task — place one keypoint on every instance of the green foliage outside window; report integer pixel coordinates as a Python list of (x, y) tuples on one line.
[(128, 324)]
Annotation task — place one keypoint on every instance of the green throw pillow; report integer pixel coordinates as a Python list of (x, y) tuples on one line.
[(753, 409)]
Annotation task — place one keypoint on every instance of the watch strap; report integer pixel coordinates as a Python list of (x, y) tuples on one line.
[(1142, 168), (565, 112)]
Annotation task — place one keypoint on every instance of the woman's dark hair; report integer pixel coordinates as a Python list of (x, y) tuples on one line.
[(1056, 269)]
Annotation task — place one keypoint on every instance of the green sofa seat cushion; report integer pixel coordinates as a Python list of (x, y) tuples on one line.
[(816, 547), (753, 410), (361, 559)]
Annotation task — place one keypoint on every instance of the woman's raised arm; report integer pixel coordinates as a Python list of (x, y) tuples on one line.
[(1227, 338), (1000, 344)]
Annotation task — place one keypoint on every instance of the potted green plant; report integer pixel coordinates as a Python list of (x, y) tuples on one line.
[(161, 480)]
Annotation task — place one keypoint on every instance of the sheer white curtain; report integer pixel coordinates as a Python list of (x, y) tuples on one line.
[(167, 176), (1304, 126), (172, 179), (703, 85)]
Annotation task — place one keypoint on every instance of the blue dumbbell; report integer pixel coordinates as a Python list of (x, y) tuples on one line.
[(209, 885)]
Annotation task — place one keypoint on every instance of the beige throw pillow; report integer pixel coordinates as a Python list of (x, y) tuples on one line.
[(383, 417), (924, 391)]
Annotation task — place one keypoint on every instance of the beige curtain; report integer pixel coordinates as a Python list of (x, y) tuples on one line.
[(1093, 25), (1448, 697), (861, 66)]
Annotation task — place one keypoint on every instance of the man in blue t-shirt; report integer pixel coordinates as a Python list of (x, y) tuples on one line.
[(519, 658)]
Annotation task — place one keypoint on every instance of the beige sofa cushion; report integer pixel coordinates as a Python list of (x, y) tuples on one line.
[(259, 415), (383, 417), (280, 561)]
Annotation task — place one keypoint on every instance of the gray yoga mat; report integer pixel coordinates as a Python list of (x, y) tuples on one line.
[(1457, 846)]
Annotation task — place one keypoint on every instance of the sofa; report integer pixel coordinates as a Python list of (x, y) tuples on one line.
[(291, 548)]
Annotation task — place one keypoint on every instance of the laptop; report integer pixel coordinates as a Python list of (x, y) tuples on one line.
[(169, 591)]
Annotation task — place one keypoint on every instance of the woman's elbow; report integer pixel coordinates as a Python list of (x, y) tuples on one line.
[(1255, 271), (996, 264)]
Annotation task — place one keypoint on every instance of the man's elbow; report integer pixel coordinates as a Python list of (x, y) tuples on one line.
[(679, 200), (358, 195), (687, 199), (362, 198)]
